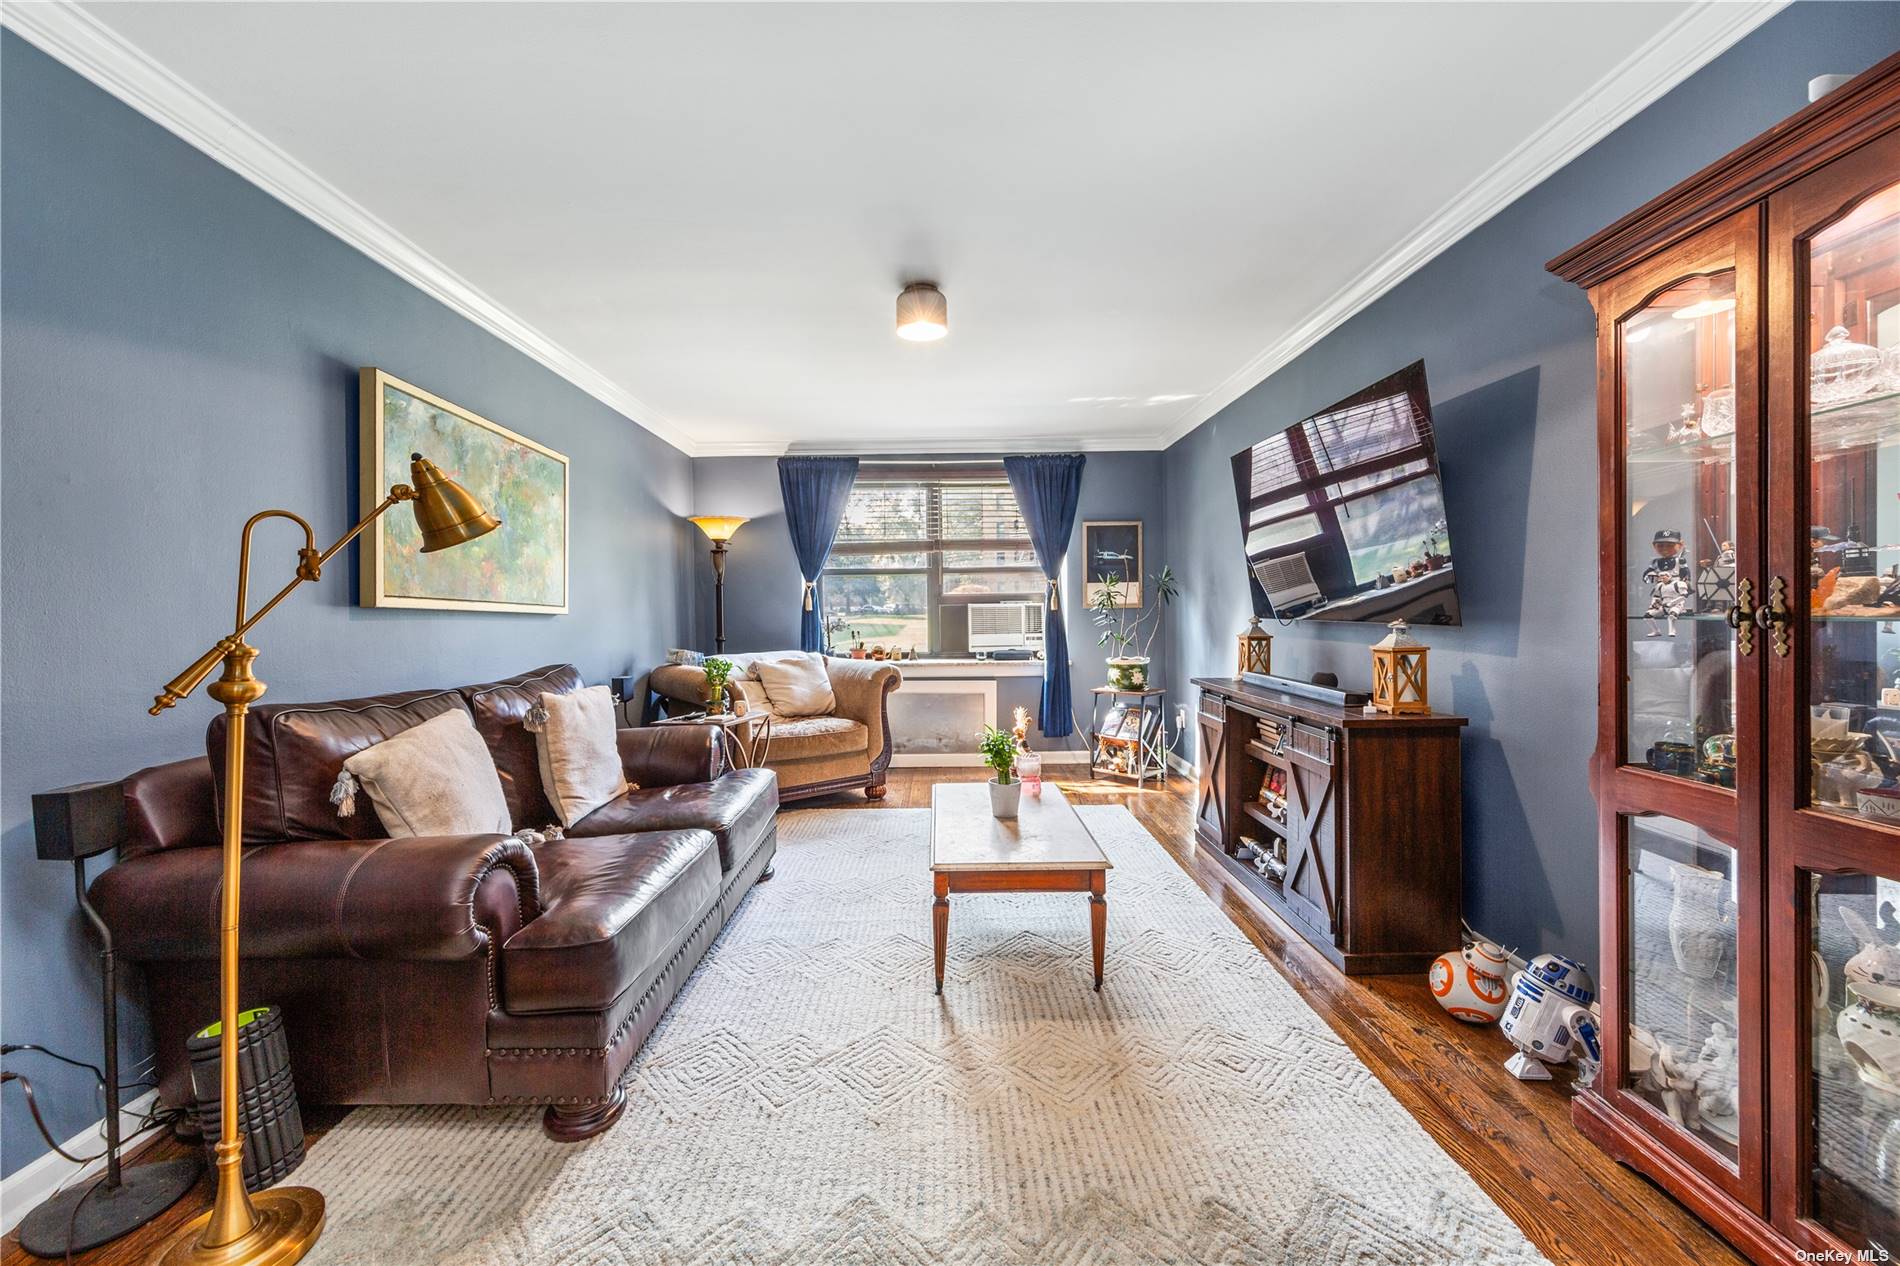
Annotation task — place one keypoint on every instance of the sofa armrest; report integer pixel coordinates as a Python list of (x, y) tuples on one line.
[(670, 755), (424, 898), (862, 688), (685, 684)]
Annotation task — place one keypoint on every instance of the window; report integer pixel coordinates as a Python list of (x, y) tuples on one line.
[(915, 547)]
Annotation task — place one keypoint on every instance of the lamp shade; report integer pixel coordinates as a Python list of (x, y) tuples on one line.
[(445, 511), (719, 527), (922, 313)]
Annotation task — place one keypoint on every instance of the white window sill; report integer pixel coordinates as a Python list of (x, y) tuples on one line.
[(925, 669)]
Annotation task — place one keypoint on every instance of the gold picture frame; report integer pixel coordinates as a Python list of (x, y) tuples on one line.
[(1113, 544), (522, 566)]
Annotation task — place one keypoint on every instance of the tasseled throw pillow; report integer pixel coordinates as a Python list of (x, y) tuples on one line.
[(575, 735), (436, 778), (798, 685)]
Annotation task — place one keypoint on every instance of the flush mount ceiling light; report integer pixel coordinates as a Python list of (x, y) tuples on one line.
[(922, 314)]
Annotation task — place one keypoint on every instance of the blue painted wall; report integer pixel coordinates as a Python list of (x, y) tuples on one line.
[(179, 350), (763, 584), (1510, 352)]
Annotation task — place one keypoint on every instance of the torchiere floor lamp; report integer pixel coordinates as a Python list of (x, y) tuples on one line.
[(719, 529), (279, 1225)]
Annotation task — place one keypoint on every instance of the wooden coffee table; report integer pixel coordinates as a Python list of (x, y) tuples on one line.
[(1043, 849)]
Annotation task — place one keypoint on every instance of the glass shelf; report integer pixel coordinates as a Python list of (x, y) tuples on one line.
[(1869, 422)]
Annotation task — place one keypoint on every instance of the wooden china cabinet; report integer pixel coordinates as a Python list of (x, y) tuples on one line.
[(1747, 770)]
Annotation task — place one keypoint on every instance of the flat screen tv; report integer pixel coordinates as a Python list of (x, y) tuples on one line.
[(1343, 514)]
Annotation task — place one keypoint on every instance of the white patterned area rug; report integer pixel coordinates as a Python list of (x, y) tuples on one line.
[(810, 1100)]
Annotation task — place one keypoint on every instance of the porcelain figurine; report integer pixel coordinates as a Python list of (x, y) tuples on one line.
[(1548, 1019), (1717, 1083), (1869, 1027), (1656, 1072), (1701, 927), (1668, 579), (1470, 984)]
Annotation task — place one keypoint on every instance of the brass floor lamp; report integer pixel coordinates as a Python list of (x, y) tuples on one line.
[(279, 1225)]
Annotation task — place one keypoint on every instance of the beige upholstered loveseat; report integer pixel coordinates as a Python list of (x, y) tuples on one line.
[(813, 756)]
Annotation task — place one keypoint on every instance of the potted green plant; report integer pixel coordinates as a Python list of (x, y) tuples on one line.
[(834, 625), (718, 673), (1128, 631), (999, 753)]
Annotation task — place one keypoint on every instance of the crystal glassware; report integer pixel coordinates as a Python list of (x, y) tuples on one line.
[(1843, 369)]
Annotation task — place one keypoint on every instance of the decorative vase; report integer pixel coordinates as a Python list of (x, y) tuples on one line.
[(1005, 798), (1699, 933), (1128, 672), (1029, 773)]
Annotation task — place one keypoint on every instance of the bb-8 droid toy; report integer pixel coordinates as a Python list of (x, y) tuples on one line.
[(1471, 984)]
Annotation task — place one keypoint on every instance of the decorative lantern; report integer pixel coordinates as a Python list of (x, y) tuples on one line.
[(1398, 672), (1256, 649)]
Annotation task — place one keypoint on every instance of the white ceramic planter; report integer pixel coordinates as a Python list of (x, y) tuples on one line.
[(1128, 672), (1005, 798)]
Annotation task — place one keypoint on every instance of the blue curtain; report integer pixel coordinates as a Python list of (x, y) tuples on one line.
[(815, 490), (1047, 488)]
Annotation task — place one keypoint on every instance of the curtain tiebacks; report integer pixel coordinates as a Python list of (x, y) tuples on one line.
[(809, 586), (1055, 596)]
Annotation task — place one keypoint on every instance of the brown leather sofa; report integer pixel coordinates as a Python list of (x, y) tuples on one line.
[(470, 969)]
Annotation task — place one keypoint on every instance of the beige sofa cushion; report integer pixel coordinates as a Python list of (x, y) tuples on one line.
[(577, 741), (796, 684), (436, 778), (806, 738)]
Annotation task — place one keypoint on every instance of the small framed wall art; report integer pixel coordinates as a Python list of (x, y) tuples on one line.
[(521, 566), (1112, 549)]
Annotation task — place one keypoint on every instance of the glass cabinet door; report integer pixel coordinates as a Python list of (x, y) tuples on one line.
[(1678, 356), (1853, 1040), (1680, 559), (1851, 374), (1831, 617), (1683, 1041)]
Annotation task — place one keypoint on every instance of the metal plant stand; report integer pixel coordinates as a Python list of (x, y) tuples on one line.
[(1139, 756)]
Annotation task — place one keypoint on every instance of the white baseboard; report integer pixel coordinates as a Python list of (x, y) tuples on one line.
[(969, 760), (1180, 766), (27, 1187)]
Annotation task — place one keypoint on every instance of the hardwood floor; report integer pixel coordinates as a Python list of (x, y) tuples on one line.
[(1515, 1138)]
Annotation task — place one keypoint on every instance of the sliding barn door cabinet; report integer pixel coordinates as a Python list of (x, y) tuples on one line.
[(1747, 772)]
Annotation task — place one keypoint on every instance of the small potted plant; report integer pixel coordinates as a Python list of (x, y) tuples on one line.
[(1129, 632), (999, 753), (718, 673)]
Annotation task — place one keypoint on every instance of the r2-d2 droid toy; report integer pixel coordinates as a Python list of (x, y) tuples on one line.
[(1549, 1020)]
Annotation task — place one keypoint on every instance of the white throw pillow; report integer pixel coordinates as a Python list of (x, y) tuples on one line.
[(575, 736), (796, 685), (436, 778)]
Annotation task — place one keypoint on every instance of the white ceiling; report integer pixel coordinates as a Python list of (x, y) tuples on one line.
[(704, 212)]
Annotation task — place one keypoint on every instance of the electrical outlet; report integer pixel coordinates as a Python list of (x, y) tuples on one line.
[(1180, 716)]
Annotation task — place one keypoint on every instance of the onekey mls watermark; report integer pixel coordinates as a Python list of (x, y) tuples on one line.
[(1843, 1257)]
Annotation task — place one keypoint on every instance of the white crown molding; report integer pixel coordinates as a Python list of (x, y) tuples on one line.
[(1671, 56), (79, 41)]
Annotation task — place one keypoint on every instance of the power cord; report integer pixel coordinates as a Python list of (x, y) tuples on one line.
[(148, 1121)]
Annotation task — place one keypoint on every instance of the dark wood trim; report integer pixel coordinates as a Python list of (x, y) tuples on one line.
[(1805, 141)]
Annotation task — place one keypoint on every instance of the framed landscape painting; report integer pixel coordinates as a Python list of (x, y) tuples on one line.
[(1112, 549), (520, 566)]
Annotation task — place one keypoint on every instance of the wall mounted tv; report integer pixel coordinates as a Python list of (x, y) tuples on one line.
[(1343, 514)]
